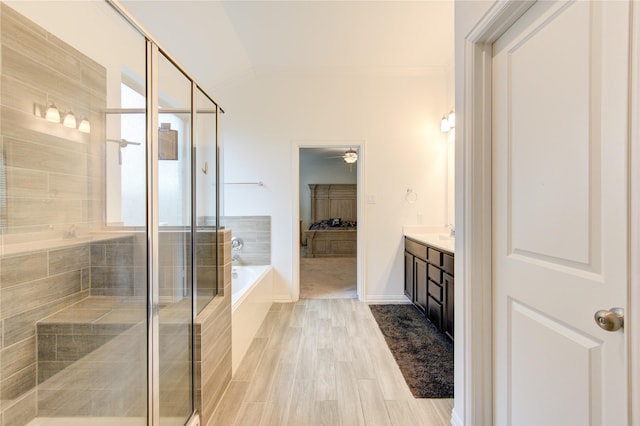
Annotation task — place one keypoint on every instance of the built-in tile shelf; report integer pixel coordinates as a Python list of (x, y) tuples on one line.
[(10, 249)]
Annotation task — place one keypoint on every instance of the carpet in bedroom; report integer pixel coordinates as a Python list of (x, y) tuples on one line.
[(423, 353)]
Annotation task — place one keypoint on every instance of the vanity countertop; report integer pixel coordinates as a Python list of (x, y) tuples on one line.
[(439, 240)]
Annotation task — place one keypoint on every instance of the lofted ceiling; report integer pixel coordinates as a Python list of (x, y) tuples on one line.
[(218, 41)]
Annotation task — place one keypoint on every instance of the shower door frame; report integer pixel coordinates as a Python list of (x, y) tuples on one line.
[(153, 51)]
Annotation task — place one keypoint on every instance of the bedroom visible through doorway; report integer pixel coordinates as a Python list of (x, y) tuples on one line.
[(328, 215)]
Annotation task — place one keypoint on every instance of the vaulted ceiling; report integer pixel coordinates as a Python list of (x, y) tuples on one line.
[(218, 41)]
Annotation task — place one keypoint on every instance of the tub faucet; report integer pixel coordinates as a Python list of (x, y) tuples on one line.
[(236, 246)]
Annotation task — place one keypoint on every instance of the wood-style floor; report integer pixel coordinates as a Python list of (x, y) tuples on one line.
[(323, 362)]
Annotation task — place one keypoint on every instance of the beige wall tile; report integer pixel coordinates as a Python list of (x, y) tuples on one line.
[(17, 357), (37, 293), (23, 268)]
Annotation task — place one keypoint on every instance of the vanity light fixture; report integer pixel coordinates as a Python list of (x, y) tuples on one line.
[(85, 126), (69, 120), (52, 114)]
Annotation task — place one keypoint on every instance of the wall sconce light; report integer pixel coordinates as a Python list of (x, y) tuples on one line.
[(69, 120), (52, 114), (448, 121), (444, 124)]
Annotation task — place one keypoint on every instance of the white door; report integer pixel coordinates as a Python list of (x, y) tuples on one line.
[(560, 223)]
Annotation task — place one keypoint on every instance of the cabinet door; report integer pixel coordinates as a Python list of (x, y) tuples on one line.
[(420, 270), (434, 313), (408, 276), (448, 291)]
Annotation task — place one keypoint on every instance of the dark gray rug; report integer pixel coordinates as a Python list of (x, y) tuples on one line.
[(423, 353)]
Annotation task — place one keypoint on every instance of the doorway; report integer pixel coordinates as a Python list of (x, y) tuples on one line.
[(327, 215)]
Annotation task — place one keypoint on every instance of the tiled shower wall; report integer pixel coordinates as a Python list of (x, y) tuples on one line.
[(51, 180), (39, 283), (33, 286), (255, 232), (53, 175)]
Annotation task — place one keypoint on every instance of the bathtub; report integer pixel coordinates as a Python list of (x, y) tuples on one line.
[(251, 297)]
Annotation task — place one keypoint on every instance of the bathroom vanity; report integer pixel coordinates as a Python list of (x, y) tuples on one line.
[(428, 277)]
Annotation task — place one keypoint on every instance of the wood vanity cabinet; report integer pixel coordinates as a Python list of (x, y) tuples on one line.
[(429, 283)]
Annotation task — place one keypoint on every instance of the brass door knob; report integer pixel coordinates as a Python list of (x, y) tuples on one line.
[(611, 320)]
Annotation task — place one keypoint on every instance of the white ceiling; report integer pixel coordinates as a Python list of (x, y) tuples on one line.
[(218, 41)]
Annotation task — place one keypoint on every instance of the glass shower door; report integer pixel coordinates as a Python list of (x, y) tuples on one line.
[(206, 172), (174, 244), (72, 286)]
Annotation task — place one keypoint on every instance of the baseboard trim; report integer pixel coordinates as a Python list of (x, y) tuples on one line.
[(455, 418), (394, 299), (373, 300)]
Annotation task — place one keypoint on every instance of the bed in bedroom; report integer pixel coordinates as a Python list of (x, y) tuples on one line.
[(333, 229)]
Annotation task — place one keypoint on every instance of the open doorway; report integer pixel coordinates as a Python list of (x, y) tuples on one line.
[(328, 210)]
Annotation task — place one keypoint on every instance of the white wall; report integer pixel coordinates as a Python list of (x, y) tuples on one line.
[(396, 117), (321, 169)]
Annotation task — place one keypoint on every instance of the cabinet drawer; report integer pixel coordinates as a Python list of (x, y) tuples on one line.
[(435, 274), (447, 263), (434, 256), (434, 312), (415, 249), (435, 291)]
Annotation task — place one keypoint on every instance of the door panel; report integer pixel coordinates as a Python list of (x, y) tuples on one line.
[(420, 271), (559, 214)]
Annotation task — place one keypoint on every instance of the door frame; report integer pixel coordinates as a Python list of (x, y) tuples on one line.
[(359, 145), (474, 403)]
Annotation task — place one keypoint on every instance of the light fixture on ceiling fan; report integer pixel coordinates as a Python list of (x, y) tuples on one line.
[(349, 157)]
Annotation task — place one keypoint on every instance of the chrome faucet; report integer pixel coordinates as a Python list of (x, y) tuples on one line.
[(236, 246)]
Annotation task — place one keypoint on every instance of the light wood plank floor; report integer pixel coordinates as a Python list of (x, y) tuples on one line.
[(323, 362)]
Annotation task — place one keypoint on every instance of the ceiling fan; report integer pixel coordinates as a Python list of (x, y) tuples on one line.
[(349, 157)]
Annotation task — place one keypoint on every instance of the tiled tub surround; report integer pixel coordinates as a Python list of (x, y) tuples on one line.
[(213, 326), (255, 232)]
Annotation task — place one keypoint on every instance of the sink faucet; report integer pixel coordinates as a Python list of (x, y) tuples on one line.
[(452, 230)]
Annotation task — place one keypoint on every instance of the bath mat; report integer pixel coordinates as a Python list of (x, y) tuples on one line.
[(423, 353)]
